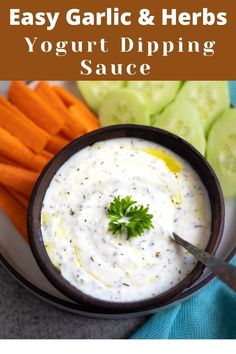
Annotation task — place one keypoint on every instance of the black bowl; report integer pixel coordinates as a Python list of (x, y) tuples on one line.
[(166, 139)]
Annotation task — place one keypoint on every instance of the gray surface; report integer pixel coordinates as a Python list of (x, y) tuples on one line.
[(22, 315)]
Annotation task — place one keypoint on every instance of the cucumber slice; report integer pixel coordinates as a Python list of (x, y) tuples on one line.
[(157, 93), (210, 98), (182, 119), (123, 106), (221, 151), (94, 92)]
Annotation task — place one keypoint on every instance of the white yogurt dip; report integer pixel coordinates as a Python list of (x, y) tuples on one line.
[(74, 219)]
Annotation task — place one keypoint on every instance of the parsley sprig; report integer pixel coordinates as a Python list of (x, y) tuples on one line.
[(127, 218)]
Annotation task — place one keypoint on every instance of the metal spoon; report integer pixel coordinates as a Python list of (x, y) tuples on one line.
[(224, 271)]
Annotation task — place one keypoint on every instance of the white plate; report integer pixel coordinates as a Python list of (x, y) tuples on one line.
[(16, 257)]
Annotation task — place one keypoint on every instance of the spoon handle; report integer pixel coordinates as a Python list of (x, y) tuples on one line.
[(226, 272)]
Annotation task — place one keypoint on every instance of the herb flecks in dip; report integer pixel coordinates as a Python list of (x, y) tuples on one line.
[(75, 225)]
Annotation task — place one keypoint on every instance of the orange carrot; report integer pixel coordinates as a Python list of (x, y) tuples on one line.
[(22, 128), (70, 100), (34, 107), (18, 196), (86, 117), (4, 159), (56, 143), (7, 104), (74, 112), (78, 109), (7, 161), (20, 179), (15, 150), (14, 210), (10, 106), (47, 154), (72, 128), (65, 96)]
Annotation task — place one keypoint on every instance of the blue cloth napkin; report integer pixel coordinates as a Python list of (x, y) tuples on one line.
[(210, 314)]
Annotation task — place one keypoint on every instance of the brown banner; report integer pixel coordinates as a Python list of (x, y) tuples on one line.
[(165, 39)]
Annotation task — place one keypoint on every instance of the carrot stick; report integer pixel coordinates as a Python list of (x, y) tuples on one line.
[(34, 107), (20, 179), (18, 196), (56, 143), (15, 150), (81, 112), (65, 96), (7, 161), (70, 100), (22, 128), (47, 154), (7, 104), (14, 210), (74, 112), (72, 128)]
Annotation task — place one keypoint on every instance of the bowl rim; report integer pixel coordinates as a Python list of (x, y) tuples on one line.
[(37, 197)]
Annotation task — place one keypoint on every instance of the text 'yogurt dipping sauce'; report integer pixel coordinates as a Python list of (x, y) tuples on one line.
[(74, 219)]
